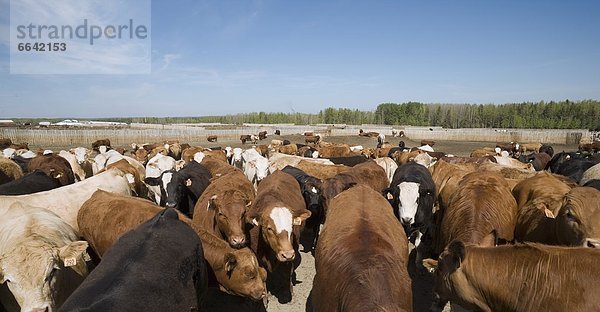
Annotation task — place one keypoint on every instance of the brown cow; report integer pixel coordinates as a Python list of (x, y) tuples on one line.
[(211, 138), (187, 154), (463, 160), (262, 135), (218, 167), (278, 212), (53, 166), (222, 207), (369, 173), (263, 150), (578, 221), (312, 139), (309, 133), (530, 147), (446, 177), (482, 152), (173, 149), (520, 278), (215, 154), (360, 228), (338, 150), (141, 155), (427, 142), (321, 171), (482, 205), (101, 142), (107, 216), (539, 199), (290, 149), (5, 143), (245, 138), (9, 170)]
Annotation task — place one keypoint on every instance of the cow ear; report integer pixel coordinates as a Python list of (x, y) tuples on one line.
[(456, 253), (212, 203), (72, 254), (230, 262), (490, 240), (430, 264), (153, 181), (301, 218), (388, 194)]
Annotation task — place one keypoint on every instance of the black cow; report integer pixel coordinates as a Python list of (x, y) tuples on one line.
[(34, 182), (575, 168), (286, 142), (22, 162), (350, 161), (262, 135), (311, 191), (181, 189), (545, 148), (277, 132), (158, 266), (309, 152), (412, 195), (595, 183)]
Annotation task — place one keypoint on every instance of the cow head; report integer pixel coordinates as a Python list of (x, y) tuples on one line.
[(406, 198), (447, 273), (34, 273), (230, 212), (578, 218), (244, 277), (277, 226), (159, 185)]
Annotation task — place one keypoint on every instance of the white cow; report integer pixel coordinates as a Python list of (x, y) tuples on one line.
[(256, 167), (236, 159), (154, 168), (41, 259), (389, 165), (75, 166), (65, 201), (81, 154)]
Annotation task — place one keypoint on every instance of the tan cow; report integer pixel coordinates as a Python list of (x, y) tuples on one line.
[(41, 257), (578, 221), (520, 278), (362, 256), (321, 171), (539, 200), (482, 205), (221, 209)]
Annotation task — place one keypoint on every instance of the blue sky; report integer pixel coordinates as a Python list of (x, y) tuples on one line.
[(226, 57)]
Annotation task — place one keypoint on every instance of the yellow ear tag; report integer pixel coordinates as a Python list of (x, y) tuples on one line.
[(390, 196), (188, 182), (549, 213), (69, 262), (86, 257), (297, 221)]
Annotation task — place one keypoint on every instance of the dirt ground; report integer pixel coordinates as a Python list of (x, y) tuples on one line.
[(422, 282)]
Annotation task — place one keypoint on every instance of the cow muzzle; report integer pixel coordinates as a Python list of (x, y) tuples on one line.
[(286, 255), (171, 205), (237, 241)]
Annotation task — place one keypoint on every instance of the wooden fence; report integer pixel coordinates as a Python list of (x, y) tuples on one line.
[(194, 134)]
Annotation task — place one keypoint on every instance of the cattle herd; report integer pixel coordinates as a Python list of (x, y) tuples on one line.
[(513, 227)]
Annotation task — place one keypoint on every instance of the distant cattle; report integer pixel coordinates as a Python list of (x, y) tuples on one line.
[(312, 139), (221, 210), (529, 147), (245, 138), (380, 140), (311, 191), (538, 160), (339, 150), (368, 134), (290, 149), (360, 227), (211, 138), (547, 149), (427, 142), (277, 132), (262, 135), (512, 147), (545, 276), (167, 251), (42, 259), (278, 213)]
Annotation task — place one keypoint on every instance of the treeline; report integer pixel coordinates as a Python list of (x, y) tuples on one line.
[(541, 115)]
